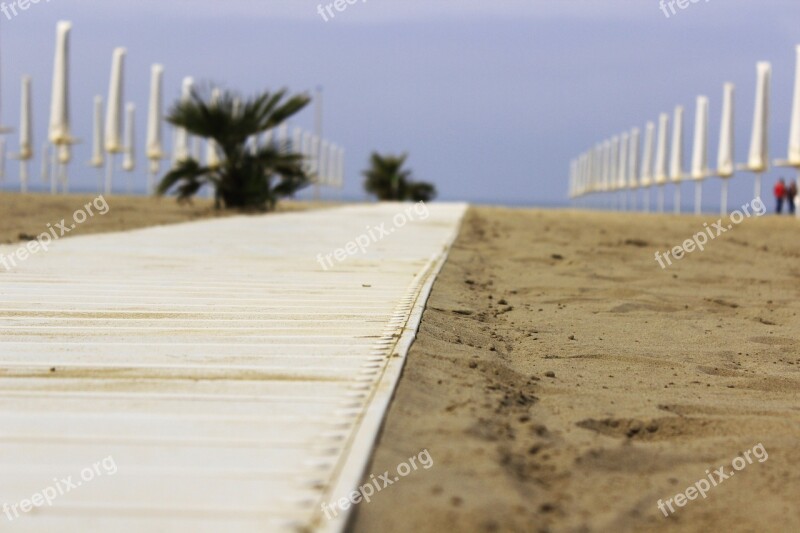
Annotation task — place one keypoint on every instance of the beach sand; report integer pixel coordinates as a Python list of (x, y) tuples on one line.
[(562, 381), (24, 216)]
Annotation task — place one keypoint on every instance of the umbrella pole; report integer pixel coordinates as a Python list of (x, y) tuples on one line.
[(54, 170), (758, 186), (23, 176), (677, 198), (724, 204), (698, 197), (64, 178), (660, 198), (109, 173)]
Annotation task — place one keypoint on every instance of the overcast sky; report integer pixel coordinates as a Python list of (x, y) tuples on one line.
[(490, 98)]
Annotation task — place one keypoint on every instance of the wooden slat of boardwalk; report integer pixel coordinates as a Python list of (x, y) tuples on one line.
[(234, 384)]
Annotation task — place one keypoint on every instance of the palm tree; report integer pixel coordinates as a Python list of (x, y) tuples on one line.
[(388, 180), (244, 179)]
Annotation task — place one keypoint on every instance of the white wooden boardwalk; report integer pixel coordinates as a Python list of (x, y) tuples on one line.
[(227, 380)]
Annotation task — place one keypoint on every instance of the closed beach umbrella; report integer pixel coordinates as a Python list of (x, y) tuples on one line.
[(212, 153), (113, 129), (622, 169), (646, 177), (155, 125), (129, 157), (633, 166), (340, 175), (297, 140), (45, 168), (98, 158), (180, 152), (700, 170), (59, 133), (614, 164), (315, 158), (676, 160), (283, 137), (725, 158), (758, 159), (660, 174), (306, 151), (98, 155), (323, 163), (25, 133), (606, 165), (793, 159)]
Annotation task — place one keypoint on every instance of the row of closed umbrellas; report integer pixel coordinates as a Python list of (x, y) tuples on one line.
[(114, 132), (614, 165)]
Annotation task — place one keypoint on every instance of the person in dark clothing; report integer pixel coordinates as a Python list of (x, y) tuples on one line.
[(791, 195), (780, 194)]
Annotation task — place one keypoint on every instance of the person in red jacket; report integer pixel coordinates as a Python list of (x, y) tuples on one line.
[(780, 194)]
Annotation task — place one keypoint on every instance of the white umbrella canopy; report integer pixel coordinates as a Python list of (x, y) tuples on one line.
[(45, 167), (129, 157), (614, 164), (646, 174), (25, 134), (660, 173), (676, 171), (340, 167), (622, 169), (98, 157), (155, 125), (758, 158), (700, 168), (112, 133), (606, 165), (725, 158), (315, 168), (297, 140), (98, 154), (283, 137), (180, 152), (633, 165), (114, 111), (26, 121), (59, 131), (306, 151), (323, 163), (212, 152)]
